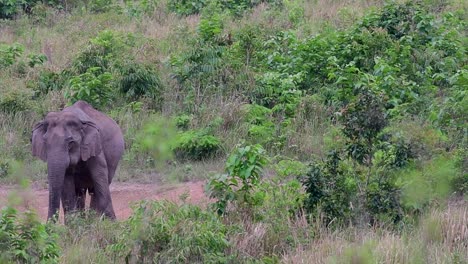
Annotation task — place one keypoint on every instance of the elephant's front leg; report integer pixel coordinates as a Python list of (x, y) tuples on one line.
[(101, 200), (68, 195)]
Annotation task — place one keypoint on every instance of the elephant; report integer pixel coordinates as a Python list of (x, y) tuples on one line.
[(82, 148)]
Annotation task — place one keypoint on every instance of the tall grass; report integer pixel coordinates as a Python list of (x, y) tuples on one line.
[(441, 237)]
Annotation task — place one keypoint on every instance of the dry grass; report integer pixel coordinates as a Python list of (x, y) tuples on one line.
[(442, 237)]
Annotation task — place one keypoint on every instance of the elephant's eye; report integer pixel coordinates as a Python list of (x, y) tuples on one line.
[(71, 123)]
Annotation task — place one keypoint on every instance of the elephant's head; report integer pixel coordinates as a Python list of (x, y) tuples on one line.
[(63, 139)]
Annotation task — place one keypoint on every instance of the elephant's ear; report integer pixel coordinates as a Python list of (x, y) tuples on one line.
[(38, 141), (91, 144)]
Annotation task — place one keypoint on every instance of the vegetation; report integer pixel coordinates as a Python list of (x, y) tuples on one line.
[(341, 125)]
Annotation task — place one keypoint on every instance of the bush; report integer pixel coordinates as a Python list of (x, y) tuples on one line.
[(101, 51), (26, 240), (183, 121), (49, 81), (5, 168), (186, 7), (330, 189), (164, 232), (10, 53), (196, 145), (137, 80), (100, 6), (14, 102), (243, 171), (92, 87)]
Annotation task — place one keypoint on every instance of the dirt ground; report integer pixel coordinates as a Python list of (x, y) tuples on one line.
[(123, 195)]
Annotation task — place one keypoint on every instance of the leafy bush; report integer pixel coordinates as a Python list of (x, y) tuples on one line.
[(100, 6), (183, 121), (137, 80), (186, 7), (14, 101), (459, 182), (139, 8), (243, 171), (101, 51), (196, 145), (26, 240), (9, 8), (92, 87), (9, 54), (5, 168), (189, 7), (162, 231), (156, 138), (49, 81), (330, 189)]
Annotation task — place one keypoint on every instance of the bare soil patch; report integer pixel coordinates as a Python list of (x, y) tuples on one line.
[(123, 196)]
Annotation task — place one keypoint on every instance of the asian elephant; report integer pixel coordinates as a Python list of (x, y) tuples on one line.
[(82, 148)]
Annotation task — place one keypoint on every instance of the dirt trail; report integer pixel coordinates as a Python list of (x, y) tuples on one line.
[(123, 195)]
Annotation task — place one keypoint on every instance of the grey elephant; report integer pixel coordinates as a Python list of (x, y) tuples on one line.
[(82, 148)]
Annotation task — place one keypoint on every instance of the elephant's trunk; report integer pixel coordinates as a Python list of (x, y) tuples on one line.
[(57, 163)]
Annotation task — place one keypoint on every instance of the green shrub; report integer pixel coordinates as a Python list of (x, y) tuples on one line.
[(330, 189), (101, 51), (49, 81), (157, 138), (138, 80), (26, 240), (139, 8), (100, 6), (211, 23), (290, 168), (256, 114), (9, 54), (164, 232), (14, 101), (460, 180), (432, 183), (196, 145), (243, 171), (5, 168), (92, 87), (186, 7), (183, 121)]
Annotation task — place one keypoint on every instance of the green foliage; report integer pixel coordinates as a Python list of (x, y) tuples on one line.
[(189, 7), (186, 7), (93, 86), (243, 171), (139, 80), (36, 59), (49, 81), (211, 22), (100, 6), (183, 121), (157, 138), (290, 168), (9, 54), (196, 145), (5, 168), (139, 8), (14, 102), (362, 121), (330, 189), (101, 51), (432, 183), (459, 182), (26, 240), (165, 232)]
